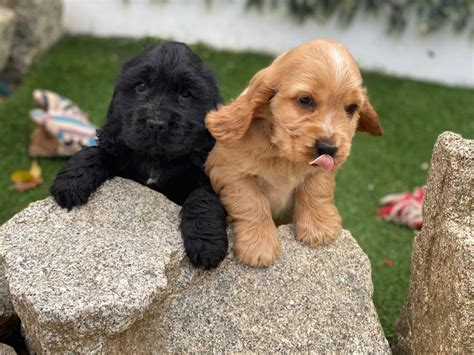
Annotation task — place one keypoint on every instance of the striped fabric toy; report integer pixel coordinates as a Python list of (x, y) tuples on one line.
[(403, 208), (64, 128)]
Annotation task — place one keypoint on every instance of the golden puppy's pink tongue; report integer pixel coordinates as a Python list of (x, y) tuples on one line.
[(325, 161)]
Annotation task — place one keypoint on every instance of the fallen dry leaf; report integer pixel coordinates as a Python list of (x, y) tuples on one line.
[(25, 180)]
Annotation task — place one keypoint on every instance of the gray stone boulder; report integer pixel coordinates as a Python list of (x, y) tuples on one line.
[(438, 315), (112, 277), (6, 350), (7, 28), (6, 307), (38, 27), (8, 317)]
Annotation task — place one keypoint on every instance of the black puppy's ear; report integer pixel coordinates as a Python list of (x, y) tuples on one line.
[(202, 147), (216, 97), (109, 135), (212, 96), (110, 110), (218, 100)]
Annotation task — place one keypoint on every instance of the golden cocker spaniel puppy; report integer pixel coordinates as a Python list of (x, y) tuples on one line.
[(280, 143)]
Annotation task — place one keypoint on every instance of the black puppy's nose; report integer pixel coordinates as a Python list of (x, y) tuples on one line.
[(156, 125), (325, 147)]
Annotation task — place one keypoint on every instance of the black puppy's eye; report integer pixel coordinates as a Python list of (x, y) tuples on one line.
[(306, 101), (141, 87), (351, 109), (185, 94)]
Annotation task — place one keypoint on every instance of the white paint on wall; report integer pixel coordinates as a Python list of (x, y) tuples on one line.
[(442, 56)]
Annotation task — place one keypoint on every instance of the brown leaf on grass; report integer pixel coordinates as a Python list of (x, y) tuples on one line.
[(25, 180), (388, 262), (28, 185)]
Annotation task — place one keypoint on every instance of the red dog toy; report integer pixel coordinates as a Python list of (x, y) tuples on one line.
[(403, 208)]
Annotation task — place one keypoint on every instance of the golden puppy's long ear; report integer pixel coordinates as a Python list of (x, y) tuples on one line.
[(369, 120), (231, 122)]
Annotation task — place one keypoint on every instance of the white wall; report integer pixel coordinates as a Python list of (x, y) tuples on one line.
[(441, 57)]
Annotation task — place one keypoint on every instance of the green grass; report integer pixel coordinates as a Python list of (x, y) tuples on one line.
[(413, 114)]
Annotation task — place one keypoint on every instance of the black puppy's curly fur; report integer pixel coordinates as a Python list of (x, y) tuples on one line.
[(155, 134)]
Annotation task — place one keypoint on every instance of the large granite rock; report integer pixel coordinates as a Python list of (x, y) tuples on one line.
[(438, 316), (38, 27), (6, 307), (7, 28), (112, 276), (6, 350), (8, 318), (9, 322)]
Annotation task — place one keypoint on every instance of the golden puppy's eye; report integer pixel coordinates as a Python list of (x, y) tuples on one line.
[(306, 101), (351, 109)]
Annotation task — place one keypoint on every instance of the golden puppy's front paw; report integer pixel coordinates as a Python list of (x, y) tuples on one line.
[(260, 249), (318, 234)]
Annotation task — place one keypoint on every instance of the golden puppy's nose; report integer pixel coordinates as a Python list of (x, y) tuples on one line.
[(326, 148)]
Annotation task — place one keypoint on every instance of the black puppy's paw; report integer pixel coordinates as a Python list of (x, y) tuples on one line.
[(67, 192), (84, 172), (205, 253), (203, 229)]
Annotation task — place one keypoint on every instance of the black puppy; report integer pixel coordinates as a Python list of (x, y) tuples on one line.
[(155, 134)]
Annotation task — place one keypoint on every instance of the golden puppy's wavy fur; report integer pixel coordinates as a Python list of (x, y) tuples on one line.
[(308, 103)]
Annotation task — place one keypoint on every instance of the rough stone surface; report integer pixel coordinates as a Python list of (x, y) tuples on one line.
[(38, 27), (7, 28), (316, 300), (8, 317), (111, 277), (6, 307), (438, 316), (6, 350), (79, 277)]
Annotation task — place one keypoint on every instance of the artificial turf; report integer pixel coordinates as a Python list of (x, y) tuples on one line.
[(412, 113)]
